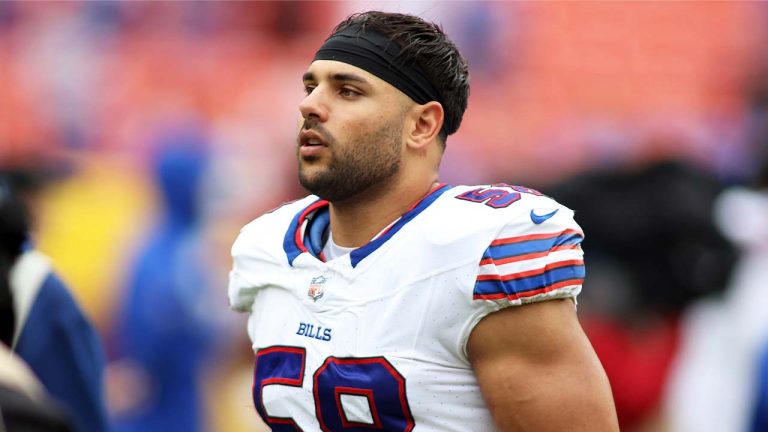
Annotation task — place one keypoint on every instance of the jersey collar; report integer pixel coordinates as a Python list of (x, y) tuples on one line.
[(298, 239)]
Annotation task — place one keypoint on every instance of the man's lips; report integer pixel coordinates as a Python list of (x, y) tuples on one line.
[(311, 143), (310, 138)]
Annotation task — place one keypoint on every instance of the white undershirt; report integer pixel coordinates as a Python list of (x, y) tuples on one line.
[(332, 251)]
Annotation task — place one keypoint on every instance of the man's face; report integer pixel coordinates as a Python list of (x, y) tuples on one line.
[(351, 139)]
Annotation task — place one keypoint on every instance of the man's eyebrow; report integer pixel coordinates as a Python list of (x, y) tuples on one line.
[(349, 77), (340, 76)]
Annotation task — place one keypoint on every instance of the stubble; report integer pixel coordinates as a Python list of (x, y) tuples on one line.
[(354, 168)]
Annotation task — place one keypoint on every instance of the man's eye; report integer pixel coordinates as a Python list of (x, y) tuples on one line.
[(347, 92), (308, 89)]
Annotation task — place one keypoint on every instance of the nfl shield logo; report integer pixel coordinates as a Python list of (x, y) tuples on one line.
[(316, 289)]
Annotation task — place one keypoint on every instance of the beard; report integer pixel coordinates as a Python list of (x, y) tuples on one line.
[(365, 162)]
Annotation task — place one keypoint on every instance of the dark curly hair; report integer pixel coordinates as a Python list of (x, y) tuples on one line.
[(428, 46)]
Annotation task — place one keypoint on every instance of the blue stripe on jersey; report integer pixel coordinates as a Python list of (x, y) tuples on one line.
[(358, 255), (289, 245), (513, 287), (316, 228), (524, 247), (292, 244)]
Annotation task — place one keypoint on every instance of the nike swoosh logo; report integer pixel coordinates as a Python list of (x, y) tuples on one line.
[(537, 219)]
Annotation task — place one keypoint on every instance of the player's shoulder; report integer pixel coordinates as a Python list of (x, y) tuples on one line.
[(281, 215), (531, 251), (503, 202), (270, 225), (471, 217)]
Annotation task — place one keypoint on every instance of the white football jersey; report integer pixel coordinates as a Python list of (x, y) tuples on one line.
[(376, 339)]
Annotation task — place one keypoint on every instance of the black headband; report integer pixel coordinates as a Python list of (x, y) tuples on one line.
[(375, 53)]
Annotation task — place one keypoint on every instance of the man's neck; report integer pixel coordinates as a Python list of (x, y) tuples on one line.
[(356, 222)]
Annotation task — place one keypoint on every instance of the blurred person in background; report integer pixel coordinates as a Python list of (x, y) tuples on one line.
[(654, 250), (40, 319), (24, 404), (389, 300), (164, 330), (720, 381)]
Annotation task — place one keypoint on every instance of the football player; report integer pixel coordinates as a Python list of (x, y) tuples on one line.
[(388, 300)]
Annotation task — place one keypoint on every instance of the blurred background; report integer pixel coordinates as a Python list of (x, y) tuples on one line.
[(149, 132)]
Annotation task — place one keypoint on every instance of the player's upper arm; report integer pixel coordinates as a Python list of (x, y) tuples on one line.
[(538, 372)]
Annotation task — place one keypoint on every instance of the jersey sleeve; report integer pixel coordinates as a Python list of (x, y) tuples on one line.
[(258, 256), (523, 248), (252, 262), (529, 262), (241, 290)]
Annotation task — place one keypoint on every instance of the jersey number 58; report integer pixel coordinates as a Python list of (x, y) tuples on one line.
[(354, 394)]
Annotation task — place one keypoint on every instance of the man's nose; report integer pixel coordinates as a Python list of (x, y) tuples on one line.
[(314, 106)]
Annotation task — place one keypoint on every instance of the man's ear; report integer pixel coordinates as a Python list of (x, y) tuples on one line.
[(426, 125)]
